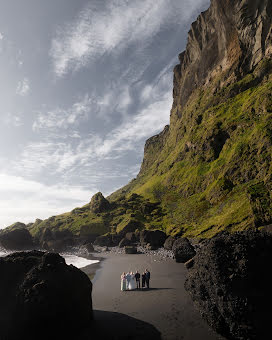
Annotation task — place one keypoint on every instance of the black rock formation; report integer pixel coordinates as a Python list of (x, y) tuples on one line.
[(230, 283), (17, 239), (183, 250), (42, 297)]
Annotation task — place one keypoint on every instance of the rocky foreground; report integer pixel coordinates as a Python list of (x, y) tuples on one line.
[(42, 297), (230, 282)]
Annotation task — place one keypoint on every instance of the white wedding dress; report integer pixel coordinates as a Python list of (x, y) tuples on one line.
[(132, 282)]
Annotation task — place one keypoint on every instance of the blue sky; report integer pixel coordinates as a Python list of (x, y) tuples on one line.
[(84, 84)]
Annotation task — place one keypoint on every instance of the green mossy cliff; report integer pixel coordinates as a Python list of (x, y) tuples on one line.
[(210, 169)]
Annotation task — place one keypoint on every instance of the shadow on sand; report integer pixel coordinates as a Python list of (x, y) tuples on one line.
[(114, 326)]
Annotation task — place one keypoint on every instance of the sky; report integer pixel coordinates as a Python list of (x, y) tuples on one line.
[(83, 85)]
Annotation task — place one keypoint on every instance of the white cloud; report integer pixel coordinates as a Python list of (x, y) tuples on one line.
[(60, 118), (60, 157), (23, 87), (11, 119), (1, 36), (24, 200), (114, 26)]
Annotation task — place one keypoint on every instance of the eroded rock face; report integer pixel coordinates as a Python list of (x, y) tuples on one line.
[(18, 239), (231, 37), (230, 282), (168, 244), (40, 294), (99, 203), (183, 250)]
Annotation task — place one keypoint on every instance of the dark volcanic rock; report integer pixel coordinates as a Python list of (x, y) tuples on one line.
[(155, 238), (130, 250), (125, 242), (17, 239), (168, 244), (99, 203), (230, 282), (41, 296), (131, 237), (183, 250)]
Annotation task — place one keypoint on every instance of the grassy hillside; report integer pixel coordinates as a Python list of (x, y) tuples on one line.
[(214, 170)]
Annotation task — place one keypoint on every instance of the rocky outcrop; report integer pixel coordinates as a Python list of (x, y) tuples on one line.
[(230, 283), (17, 239), (183, 250), (155, 238), (168, 244), (230, 38), (130, 250), (99, 203), (40, 294)]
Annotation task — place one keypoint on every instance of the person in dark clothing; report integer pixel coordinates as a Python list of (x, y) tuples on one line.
[(147, 278), (143, 280), (137, 278)]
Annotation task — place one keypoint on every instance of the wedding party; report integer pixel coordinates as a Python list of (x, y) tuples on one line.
[(132, 281)]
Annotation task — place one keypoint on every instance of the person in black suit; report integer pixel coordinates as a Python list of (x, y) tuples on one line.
[(143, 280), (137, 278), (147, 278)]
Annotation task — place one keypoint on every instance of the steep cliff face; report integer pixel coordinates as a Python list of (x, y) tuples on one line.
[(226, 41), (211, 169)]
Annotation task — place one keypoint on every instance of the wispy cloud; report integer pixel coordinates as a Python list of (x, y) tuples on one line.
[(23, 87), (26, 200), (59, 157), (61, 118), (112, 26), (11, 119)]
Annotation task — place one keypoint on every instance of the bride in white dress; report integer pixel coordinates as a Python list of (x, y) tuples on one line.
[(132, 282)]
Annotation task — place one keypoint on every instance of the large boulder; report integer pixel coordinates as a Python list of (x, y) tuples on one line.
[(125, 242), (183, 250), (17, 239), (230, 282), (42, 295), (130, 250), (155, 238), (99, 203), (169, 242)]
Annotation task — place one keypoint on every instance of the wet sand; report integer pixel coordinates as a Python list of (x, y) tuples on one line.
[(165, 311)]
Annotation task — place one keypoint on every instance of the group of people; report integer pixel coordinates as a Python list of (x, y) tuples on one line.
[(131, 281)]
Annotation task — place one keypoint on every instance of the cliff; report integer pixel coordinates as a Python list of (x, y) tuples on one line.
[(210, 170)]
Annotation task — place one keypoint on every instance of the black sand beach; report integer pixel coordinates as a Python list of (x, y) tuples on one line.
[(163, 312)]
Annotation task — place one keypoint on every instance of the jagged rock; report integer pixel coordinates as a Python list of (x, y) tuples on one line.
[(17, 239), (130, 250), (89, 247), (99, 203), (131, 237), (155, 238), (39, 293), (124, 242), (150, 247), (168, 244), (230, 282), (183, 250)]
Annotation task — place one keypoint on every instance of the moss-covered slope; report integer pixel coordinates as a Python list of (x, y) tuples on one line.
[(210, 169)]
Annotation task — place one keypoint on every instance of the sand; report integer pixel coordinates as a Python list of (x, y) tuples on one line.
[(163, 312)]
